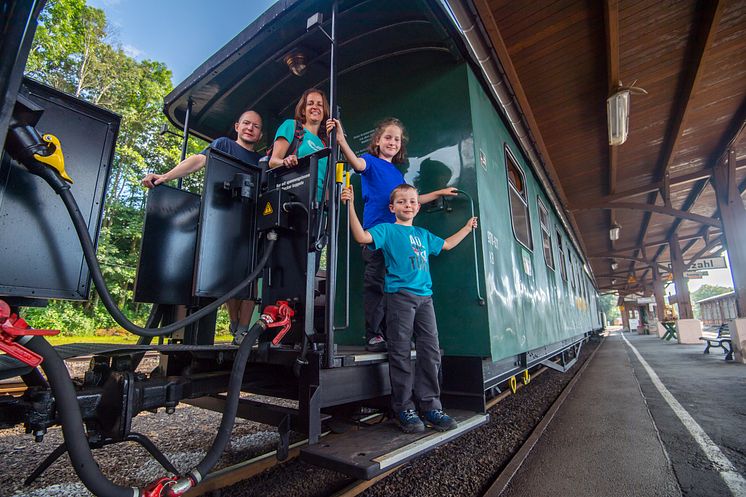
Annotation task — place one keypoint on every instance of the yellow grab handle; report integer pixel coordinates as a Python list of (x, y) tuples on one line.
[(513, 384), (347, 178), (56, 160), (340, 172)]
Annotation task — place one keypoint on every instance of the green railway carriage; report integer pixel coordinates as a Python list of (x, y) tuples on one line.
[(513, 295), (408, 59)]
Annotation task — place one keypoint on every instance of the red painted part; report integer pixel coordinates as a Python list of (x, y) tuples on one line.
[(12, 327), (278, 316)]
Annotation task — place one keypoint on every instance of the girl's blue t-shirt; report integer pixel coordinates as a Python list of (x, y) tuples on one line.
[(406, 250), (310, 144), (377, 180)]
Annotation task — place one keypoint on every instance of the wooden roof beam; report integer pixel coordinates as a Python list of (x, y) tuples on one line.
[(708, 27), (655, 187), (611, 21), (660, 209), (654, 243)]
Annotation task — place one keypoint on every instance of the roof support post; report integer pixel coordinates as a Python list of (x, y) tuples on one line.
[(625, 315), (658, 293), (682, 289), (733, 219)]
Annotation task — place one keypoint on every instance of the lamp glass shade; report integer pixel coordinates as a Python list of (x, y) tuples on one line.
[(614, 232), (617, 113)]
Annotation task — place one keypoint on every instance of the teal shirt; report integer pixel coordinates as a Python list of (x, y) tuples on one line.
[(406, 250), (310, 144)]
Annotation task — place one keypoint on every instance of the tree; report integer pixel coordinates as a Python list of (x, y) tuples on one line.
[(704, 292), (75, 52), (609, 307)]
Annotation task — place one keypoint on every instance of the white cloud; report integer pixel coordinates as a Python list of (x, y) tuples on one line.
[(132, 51)]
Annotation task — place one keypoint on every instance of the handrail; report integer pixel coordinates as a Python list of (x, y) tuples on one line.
[(480, 299)]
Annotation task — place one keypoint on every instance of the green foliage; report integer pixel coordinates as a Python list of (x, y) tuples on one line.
[(74, 52), (704, 292), (609, 307)]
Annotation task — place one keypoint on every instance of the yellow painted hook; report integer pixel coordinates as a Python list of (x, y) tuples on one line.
[(513, 384), (526, 377), (55, 160)]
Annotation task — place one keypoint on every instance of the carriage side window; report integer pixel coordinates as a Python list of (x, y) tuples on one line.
[(563, 264), (546, 236), (573, 274), (518, 202)]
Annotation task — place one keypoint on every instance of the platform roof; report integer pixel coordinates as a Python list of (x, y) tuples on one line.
[(563, 58)]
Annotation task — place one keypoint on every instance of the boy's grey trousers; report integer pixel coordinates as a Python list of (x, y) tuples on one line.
[(408, 315)]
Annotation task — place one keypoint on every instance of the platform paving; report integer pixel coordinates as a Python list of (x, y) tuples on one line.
[(617, 435)]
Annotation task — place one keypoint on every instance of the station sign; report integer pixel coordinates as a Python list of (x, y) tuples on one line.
[(646, 300), (695, 275), (706, 263)]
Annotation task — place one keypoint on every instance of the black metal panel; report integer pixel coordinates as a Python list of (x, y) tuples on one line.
[(41, 253), (166, 268), (17, 25), (285, 276), (227, 229)]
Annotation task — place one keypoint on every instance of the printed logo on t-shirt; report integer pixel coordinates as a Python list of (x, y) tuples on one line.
[(419, 259), (316, 147)]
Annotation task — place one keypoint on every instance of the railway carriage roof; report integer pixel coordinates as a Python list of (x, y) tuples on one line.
[(250, 71)]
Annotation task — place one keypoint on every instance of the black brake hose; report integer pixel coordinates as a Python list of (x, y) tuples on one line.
[(231, 404), (89, 252), (68, 411)]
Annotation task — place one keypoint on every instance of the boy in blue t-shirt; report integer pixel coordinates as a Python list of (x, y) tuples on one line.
[(409, 306)]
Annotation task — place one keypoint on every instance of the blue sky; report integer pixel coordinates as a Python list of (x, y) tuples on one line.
[(180, 33)]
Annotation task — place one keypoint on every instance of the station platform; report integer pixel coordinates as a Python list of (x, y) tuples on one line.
[(646, 417)]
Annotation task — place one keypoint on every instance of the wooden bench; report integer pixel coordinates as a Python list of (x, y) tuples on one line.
[(721, 340)]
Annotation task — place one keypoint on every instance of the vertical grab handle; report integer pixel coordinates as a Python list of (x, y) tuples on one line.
[(343, 179), (480, 299)]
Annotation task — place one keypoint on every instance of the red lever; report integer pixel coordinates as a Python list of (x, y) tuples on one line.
[(12, 327), (156, 488), (276, 316), (169, 486)]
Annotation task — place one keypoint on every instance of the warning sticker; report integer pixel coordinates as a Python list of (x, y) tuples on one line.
[(268, 209)]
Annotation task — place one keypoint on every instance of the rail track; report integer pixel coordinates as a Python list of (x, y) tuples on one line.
[(220, 480), (233, 474)]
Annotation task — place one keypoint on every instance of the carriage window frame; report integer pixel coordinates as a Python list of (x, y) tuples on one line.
[(573, 273), (513, 192), (563, 262), (546, 234)]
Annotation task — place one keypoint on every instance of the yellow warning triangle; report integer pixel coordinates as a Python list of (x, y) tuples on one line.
[(268, 209)]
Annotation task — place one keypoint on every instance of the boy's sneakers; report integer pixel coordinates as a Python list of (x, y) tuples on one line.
[(409, 421), (439, 420), (376, 344)]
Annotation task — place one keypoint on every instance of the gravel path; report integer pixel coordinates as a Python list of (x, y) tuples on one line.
[(465, 467)]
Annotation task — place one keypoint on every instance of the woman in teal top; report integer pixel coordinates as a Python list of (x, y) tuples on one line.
[(312, 111)]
